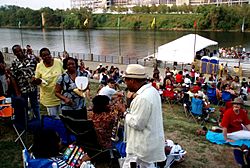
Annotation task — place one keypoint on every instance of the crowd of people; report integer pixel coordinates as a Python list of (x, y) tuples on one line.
[(31, 80), (222, 89), (233, 52)]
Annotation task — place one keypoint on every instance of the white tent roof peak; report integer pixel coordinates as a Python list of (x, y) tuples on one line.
[(182, 49)]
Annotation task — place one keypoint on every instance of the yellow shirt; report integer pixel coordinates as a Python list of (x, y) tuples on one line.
[(50, 76), (221, 67)]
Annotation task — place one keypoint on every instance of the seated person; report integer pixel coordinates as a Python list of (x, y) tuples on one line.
[(187, 80), (154, 84), (235, 122), (47, 144), (104, 117), (190, 92), (244, 91), (212, 85), (179, 77), (169, 89), (227, 88), (222, 110), (109, 90), (198, 105), (197, 87)]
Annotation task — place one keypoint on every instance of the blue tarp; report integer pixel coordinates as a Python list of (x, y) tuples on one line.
[(219, 139)]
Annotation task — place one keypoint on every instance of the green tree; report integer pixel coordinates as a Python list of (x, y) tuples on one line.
[(153, 9), (163, 9)]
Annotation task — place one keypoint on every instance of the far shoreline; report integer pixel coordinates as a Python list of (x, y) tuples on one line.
[(121, 28)]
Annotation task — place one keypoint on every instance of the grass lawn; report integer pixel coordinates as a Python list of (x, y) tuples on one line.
[(180, 129)]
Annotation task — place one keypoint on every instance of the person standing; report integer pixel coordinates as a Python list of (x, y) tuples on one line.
[(47, 73), (225, 70), (221, 69), (22, 78), (72, 104), (3, 78), (192, 74), (144, 122)]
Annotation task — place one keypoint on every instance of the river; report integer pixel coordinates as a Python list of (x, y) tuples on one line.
[(106, 42)]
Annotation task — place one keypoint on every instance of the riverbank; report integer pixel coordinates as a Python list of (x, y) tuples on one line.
[(209, 17), (124, 28)]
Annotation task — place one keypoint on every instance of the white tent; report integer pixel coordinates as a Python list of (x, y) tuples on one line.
[(182, 50)]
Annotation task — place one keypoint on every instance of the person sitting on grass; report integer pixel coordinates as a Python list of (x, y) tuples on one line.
[(235, 122)]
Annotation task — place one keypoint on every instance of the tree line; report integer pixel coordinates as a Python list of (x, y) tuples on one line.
[(208, 17)]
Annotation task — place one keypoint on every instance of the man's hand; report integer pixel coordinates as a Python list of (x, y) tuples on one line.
[(121, 107), (36, 81), (68, 101)]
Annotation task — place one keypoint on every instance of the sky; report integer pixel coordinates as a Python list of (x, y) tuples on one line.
[(37, 4)]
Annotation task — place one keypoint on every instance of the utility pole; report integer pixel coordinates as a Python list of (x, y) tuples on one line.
[(21, 32), (62, 20)]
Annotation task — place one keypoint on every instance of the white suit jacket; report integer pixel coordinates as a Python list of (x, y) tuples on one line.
[(144, 126)]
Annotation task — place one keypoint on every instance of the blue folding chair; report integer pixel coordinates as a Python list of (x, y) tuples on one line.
[(198, 111), (196, 106), (226, 96), (211, 94), (50, 122), (31, 162)]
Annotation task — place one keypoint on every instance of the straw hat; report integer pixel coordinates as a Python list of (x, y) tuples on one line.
[(238, 100), (135, 71)]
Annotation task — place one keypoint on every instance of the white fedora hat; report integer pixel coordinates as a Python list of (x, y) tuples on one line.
[(135, 71)]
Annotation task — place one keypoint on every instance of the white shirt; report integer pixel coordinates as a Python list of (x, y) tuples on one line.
[(101, 76), (187, 81), (174, 72), (107, 91), (196, 75), (244, 90), (144, 125), (185, 73)]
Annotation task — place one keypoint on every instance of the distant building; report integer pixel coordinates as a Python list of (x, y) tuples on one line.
[(105, 4)]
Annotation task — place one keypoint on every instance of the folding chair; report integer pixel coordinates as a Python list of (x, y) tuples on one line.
[(169, 97), (85, 136), (211, 94), (7, 112), (51, 122), (226, 96), (196, 108), (31, 162)]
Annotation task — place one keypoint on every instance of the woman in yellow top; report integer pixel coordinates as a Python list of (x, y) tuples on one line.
[(47, 73)]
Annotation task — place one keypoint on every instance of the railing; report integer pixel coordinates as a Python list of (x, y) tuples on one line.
[(105, 59), (99, 58), (89, 57)]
